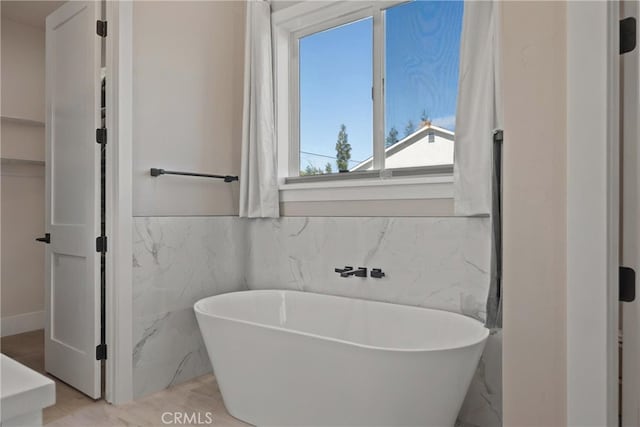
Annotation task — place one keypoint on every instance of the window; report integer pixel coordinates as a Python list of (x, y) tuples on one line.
[(373, 89), (336, 109), (387, 71), (422, 48)]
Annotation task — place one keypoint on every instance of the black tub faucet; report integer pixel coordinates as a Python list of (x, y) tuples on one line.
[(360, 272), (377, 273), (343, 270)]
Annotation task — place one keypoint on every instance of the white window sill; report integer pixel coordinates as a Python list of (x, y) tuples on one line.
[(434, 187)]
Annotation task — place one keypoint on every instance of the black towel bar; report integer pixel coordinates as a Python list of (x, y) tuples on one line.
[(158, 172)]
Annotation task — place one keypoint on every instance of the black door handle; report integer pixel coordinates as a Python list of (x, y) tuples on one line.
[(45, 239)]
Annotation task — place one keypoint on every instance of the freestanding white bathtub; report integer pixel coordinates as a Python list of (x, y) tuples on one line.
[(287, 358)]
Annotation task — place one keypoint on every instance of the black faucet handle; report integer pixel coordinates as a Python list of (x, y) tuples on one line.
[(343, 270), (377, 273), (362, 272)]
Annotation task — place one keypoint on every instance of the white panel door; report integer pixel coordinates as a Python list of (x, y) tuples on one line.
[(72, 288), (630, 233)]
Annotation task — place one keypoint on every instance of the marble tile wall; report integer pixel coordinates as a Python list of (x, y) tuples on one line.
[(176, 262), (483, 405), (432, 262)]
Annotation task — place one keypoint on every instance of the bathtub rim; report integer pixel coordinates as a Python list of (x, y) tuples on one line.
[(482, 339)]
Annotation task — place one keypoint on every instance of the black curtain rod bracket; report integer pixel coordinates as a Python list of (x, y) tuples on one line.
[(157, 172)]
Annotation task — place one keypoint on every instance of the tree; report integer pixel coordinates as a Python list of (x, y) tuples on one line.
[(409, 128), (343, 149), (328, 168), (314, 170), (311, 170), (392, 138)]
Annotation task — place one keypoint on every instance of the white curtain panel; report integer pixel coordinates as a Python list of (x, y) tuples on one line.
[(258, 173), (479, 110)]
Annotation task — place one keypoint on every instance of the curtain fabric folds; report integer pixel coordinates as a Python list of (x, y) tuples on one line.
[(258, 174), (479, 110), (479, 114)]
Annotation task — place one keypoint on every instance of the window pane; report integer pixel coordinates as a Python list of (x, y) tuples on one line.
[(422, 48), (336, 110)]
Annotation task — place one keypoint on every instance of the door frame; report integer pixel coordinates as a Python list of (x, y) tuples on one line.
[(119, 297), (630, 63), (592, 212)]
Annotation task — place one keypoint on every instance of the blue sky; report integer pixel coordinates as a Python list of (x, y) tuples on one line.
[(422, 51)]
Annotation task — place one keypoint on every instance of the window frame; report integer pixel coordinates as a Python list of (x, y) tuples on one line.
[(310, 17), (294, 81)]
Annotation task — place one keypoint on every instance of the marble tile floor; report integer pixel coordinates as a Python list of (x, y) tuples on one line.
[(199, 397)]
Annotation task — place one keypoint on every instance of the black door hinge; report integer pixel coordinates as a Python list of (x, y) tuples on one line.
[(627, 34), (101, 28), (101, 352), (627, 279), (101, 136), (101, 244)]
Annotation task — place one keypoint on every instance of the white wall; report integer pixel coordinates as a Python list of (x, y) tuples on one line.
[(22, 71), (22, 188), (187, 106), (534, 213), (21, 141), (22, 221)]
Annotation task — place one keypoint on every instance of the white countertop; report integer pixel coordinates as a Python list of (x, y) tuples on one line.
[(23, 390)]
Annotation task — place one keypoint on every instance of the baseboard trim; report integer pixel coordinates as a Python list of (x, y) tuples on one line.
[(20, 323)]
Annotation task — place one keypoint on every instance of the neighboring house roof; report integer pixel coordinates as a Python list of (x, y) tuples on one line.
[(416, 150)]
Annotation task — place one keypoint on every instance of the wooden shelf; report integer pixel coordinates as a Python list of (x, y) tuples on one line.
[(26, 122)]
